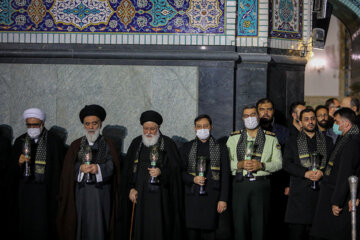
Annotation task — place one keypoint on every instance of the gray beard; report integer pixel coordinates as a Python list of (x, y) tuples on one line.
[(91, 137), (150, 141)]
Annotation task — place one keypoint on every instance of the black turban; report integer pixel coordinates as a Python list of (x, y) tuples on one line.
[(92, 110), (151, 116)]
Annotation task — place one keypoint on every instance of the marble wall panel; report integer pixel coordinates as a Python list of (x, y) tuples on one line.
[(285, 86), (251, 85), (124, 91), (26, 86), (216, 98)]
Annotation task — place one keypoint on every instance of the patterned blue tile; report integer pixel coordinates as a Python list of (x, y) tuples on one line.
[(247, 24), (286, 19), (356, 3), (113, 16)]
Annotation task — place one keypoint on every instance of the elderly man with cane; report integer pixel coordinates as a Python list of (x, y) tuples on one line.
[(152, 182)]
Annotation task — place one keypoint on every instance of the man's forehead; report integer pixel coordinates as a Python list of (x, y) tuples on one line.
[(334, 103), (32, 120), (308, 114), (91, 118), (265, 105), (202, 120), (249, 110), (322, 110), (150, 123)]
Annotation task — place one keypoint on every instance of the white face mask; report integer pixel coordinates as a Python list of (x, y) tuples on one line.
[(34, 132), (203, 133), (251, 122)]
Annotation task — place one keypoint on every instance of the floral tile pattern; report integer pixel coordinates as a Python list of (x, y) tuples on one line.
[(286, 19), (247, 24), (113, 16)]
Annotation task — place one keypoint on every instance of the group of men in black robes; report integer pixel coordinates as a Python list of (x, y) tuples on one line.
[(161, 192), (53, 196), (320, 158), (332, 216)]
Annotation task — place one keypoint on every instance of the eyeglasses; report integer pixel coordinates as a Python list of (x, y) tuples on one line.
[(33, 125), (95, 124)]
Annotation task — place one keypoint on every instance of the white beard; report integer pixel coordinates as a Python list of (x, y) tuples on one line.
[(92, 135), (150, 141)]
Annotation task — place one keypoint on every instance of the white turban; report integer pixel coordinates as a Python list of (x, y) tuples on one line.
[(34, 113)]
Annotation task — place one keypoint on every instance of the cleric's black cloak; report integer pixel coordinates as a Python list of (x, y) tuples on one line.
[(159, 212)]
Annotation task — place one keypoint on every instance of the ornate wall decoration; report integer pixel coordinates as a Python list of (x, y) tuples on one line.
[(355, 2), (81, 13), (36, 11), (204, 14), (162, 12), (5, 12), (117, 16), (286, 19), (247, 23), (126, 12)]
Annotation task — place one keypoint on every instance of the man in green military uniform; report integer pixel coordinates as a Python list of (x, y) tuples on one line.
[(254, 154)]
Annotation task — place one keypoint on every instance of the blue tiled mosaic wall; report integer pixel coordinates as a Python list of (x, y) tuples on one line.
[(356, 2), (286, 19), (113, 16), (247, 24)]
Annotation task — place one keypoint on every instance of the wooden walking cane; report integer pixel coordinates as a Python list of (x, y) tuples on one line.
[(132, 220)]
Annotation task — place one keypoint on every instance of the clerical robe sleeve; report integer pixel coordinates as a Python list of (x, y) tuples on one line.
[(329, 147), (171, 165), (188, 179), (225, 174), (107, 168), (78, 174), (291, 159), (349, 162)]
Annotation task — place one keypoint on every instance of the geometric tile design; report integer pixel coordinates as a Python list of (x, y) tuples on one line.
[(113, 16), (286, 19), (356, 2), (247, 19)]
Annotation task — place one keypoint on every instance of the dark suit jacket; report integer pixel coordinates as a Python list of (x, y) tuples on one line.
[(201, 211), (302, 199)]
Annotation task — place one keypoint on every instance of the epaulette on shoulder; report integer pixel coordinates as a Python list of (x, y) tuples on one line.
[(270, 133), (235, 133)]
